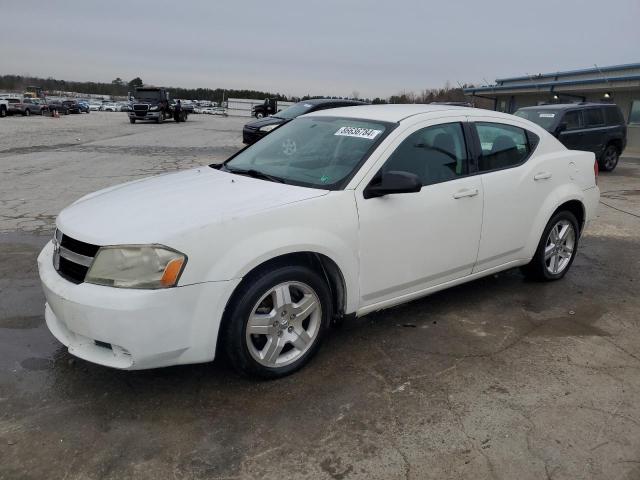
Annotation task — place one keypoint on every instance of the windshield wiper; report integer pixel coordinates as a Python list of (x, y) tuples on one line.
[(256, 174)]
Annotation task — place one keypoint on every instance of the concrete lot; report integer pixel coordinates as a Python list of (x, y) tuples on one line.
[(499, 378)]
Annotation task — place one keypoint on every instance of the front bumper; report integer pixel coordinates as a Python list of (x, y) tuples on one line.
[(133, 329), (145, 115)]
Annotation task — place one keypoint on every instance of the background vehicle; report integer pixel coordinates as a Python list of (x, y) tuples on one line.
[(72, 106), (14, 105), (269, 107), (153, 103), (593, 127), (109, 107), (33, 106), (260, 254), (255, 130), (58, 106), (94, 106), (84, 107)]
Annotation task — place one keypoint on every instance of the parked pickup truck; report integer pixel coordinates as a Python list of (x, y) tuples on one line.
[(153, 103)]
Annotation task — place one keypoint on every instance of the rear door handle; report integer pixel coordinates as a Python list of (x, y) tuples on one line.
[(542, 176), (467, 192)]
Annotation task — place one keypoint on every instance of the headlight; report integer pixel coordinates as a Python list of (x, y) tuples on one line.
[(154, 108), (268, 128), (136, 266)]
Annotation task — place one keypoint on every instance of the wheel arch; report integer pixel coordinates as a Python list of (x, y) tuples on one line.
[(567, 198), (321, 263)]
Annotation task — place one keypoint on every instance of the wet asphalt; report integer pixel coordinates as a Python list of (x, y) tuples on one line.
[(499, 378)]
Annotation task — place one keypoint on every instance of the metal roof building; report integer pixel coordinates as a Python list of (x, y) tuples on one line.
[(619, 84)]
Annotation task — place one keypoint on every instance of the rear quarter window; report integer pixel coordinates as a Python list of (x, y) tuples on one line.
[(613, 116)]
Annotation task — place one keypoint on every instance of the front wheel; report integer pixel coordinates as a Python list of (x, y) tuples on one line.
[(259, 116), (3, 112), (556, 250), (27, 112), (609, 159), (277, 321), (132, 120)]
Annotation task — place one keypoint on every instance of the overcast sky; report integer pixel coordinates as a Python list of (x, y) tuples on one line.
[(328, 47)]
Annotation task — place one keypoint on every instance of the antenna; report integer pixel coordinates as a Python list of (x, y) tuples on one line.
[(601, 73)]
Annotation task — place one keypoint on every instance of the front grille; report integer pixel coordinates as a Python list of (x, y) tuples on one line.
[(72, 258), (140, 108)]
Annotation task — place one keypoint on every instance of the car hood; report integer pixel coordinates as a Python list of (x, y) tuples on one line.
[(157, 209), (266, 121)]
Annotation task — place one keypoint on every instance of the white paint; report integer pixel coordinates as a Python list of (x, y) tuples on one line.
[(389, 250)]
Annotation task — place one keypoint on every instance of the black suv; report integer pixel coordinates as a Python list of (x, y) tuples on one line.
[(594, 127), (254, 131)]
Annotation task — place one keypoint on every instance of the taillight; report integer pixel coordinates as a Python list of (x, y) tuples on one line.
[(596, 170)]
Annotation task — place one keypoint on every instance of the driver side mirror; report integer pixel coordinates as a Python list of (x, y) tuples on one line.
[(387, 183)]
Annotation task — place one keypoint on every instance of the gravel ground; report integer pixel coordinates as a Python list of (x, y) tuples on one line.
[(496, 379)]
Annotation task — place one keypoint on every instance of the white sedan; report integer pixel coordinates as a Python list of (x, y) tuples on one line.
[(337, 213)]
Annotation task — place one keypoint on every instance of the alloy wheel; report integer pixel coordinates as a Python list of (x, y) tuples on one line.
[(610, 158), (559, 247), (283, 324)]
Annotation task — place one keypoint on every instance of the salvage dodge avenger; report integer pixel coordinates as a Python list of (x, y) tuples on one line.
[(337, 213)]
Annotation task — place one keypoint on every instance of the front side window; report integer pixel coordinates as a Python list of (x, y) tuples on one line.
[(503, 146), (573, 120), (613, 116), (319, 152), (593, 117), (435, 154)]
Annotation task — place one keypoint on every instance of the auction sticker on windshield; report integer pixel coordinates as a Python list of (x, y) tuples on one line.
[(358, 132), (547, 115)]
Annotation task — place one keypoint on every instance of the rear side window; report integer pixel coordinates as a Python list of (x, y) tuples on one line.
[(634, 113), (613, 116), (593, 117), (503, 146), (573, 120)]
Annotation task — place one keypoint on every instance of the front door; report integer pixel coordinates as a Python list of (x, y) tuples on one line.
[(410, 242)]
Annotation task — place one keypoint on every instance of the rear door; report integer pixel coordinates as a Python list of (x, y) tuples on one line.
[(595, 130), (515, 185)]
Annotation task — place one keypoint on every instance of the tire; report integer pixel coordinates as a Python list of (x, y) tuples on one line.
[(609, 158), (132, 120), (557, 263), (250, 353), (160, 118), (27, 113), (3, 112), (259, 116)]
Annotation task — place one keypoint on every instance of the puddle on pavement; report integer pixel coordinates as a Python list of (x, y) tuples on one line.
[(35, 363), (22, 322)]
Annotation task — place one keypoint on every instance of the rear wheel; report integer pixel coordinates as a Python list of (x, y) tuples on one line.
[(27, 112), (609, 159), (556, 250), (277, 321), (3, 111), (259, 116)]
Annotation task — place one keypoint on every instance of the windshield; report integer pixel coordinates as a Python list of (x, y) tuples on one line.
[(147, 95), (294, 111), (544, 117), (320, 152)]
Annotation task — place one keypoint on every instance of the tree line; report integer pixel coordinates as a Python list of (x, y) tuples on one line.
[(119, 88)]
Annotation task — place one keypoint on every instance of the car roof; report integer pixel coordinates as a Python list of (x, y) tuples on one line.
[(567, 106), (321, 101), (397, 112)]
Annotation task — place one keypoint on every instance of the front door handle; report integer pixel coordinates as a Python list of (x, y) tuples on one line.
[(467, 192), (542, 176)]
